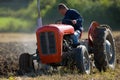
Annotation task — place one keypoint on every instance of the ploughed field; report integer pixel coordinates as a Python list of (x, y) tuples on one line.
[(13, 44)]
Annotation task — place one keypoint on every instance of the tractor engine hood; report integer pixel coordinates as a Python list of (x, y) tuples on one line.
[(49, 42)]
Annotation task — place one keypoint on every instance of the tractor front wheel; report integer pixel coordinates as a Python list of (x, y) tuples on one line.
[(82, 59), (26, 63)]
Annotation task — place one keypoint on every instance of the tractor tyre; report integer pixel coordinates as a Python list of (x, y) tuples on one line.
[(82, 59), (26, 64), (104, 48)]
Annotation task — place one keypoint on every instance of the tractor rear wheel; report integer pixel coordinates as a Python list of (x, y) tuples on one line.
[(26, 63), (104, 48), (82, 59)]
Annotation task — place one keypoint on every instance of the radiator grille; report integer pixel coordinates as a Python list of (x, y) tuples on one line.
[(47, 41)]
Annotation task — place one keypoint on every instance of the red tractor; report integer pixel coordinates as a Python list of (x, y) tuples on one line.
[(54, 48)]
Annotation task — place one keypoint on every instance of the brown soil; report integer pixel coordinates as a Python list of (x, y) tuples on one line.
[(10, 52), (9, 55), (117, 40)]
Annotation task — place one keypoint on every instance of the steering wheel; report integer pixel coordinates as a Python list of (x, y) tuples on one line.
[(67, 21)]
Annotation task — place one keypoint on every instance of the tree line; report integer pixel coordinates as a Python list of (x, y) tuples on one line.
[(103, 11)]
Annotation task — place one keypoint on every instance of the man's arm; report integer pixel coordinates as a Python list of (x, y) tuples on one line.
[(76, 17), (77, 21)]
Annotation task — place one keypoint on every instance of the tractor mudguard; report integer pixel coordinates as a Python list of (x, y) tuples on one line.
[(91, 32), (50, 41)]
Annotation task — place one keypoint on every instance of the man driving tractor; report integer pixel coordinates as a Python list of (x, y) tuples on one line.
[(71, 17), (55, 47)]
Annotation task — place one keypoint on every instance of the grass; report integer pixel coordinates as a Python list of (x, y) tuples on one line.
[(14, 24), (109, 75)]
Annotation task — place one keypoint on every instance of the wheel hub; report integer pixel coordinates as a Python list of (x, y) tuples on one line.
[(109, 50), (86, 62)]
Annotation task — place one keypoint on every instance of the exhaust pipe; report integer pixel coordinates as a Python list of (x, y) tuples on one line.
[(39, 20)]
